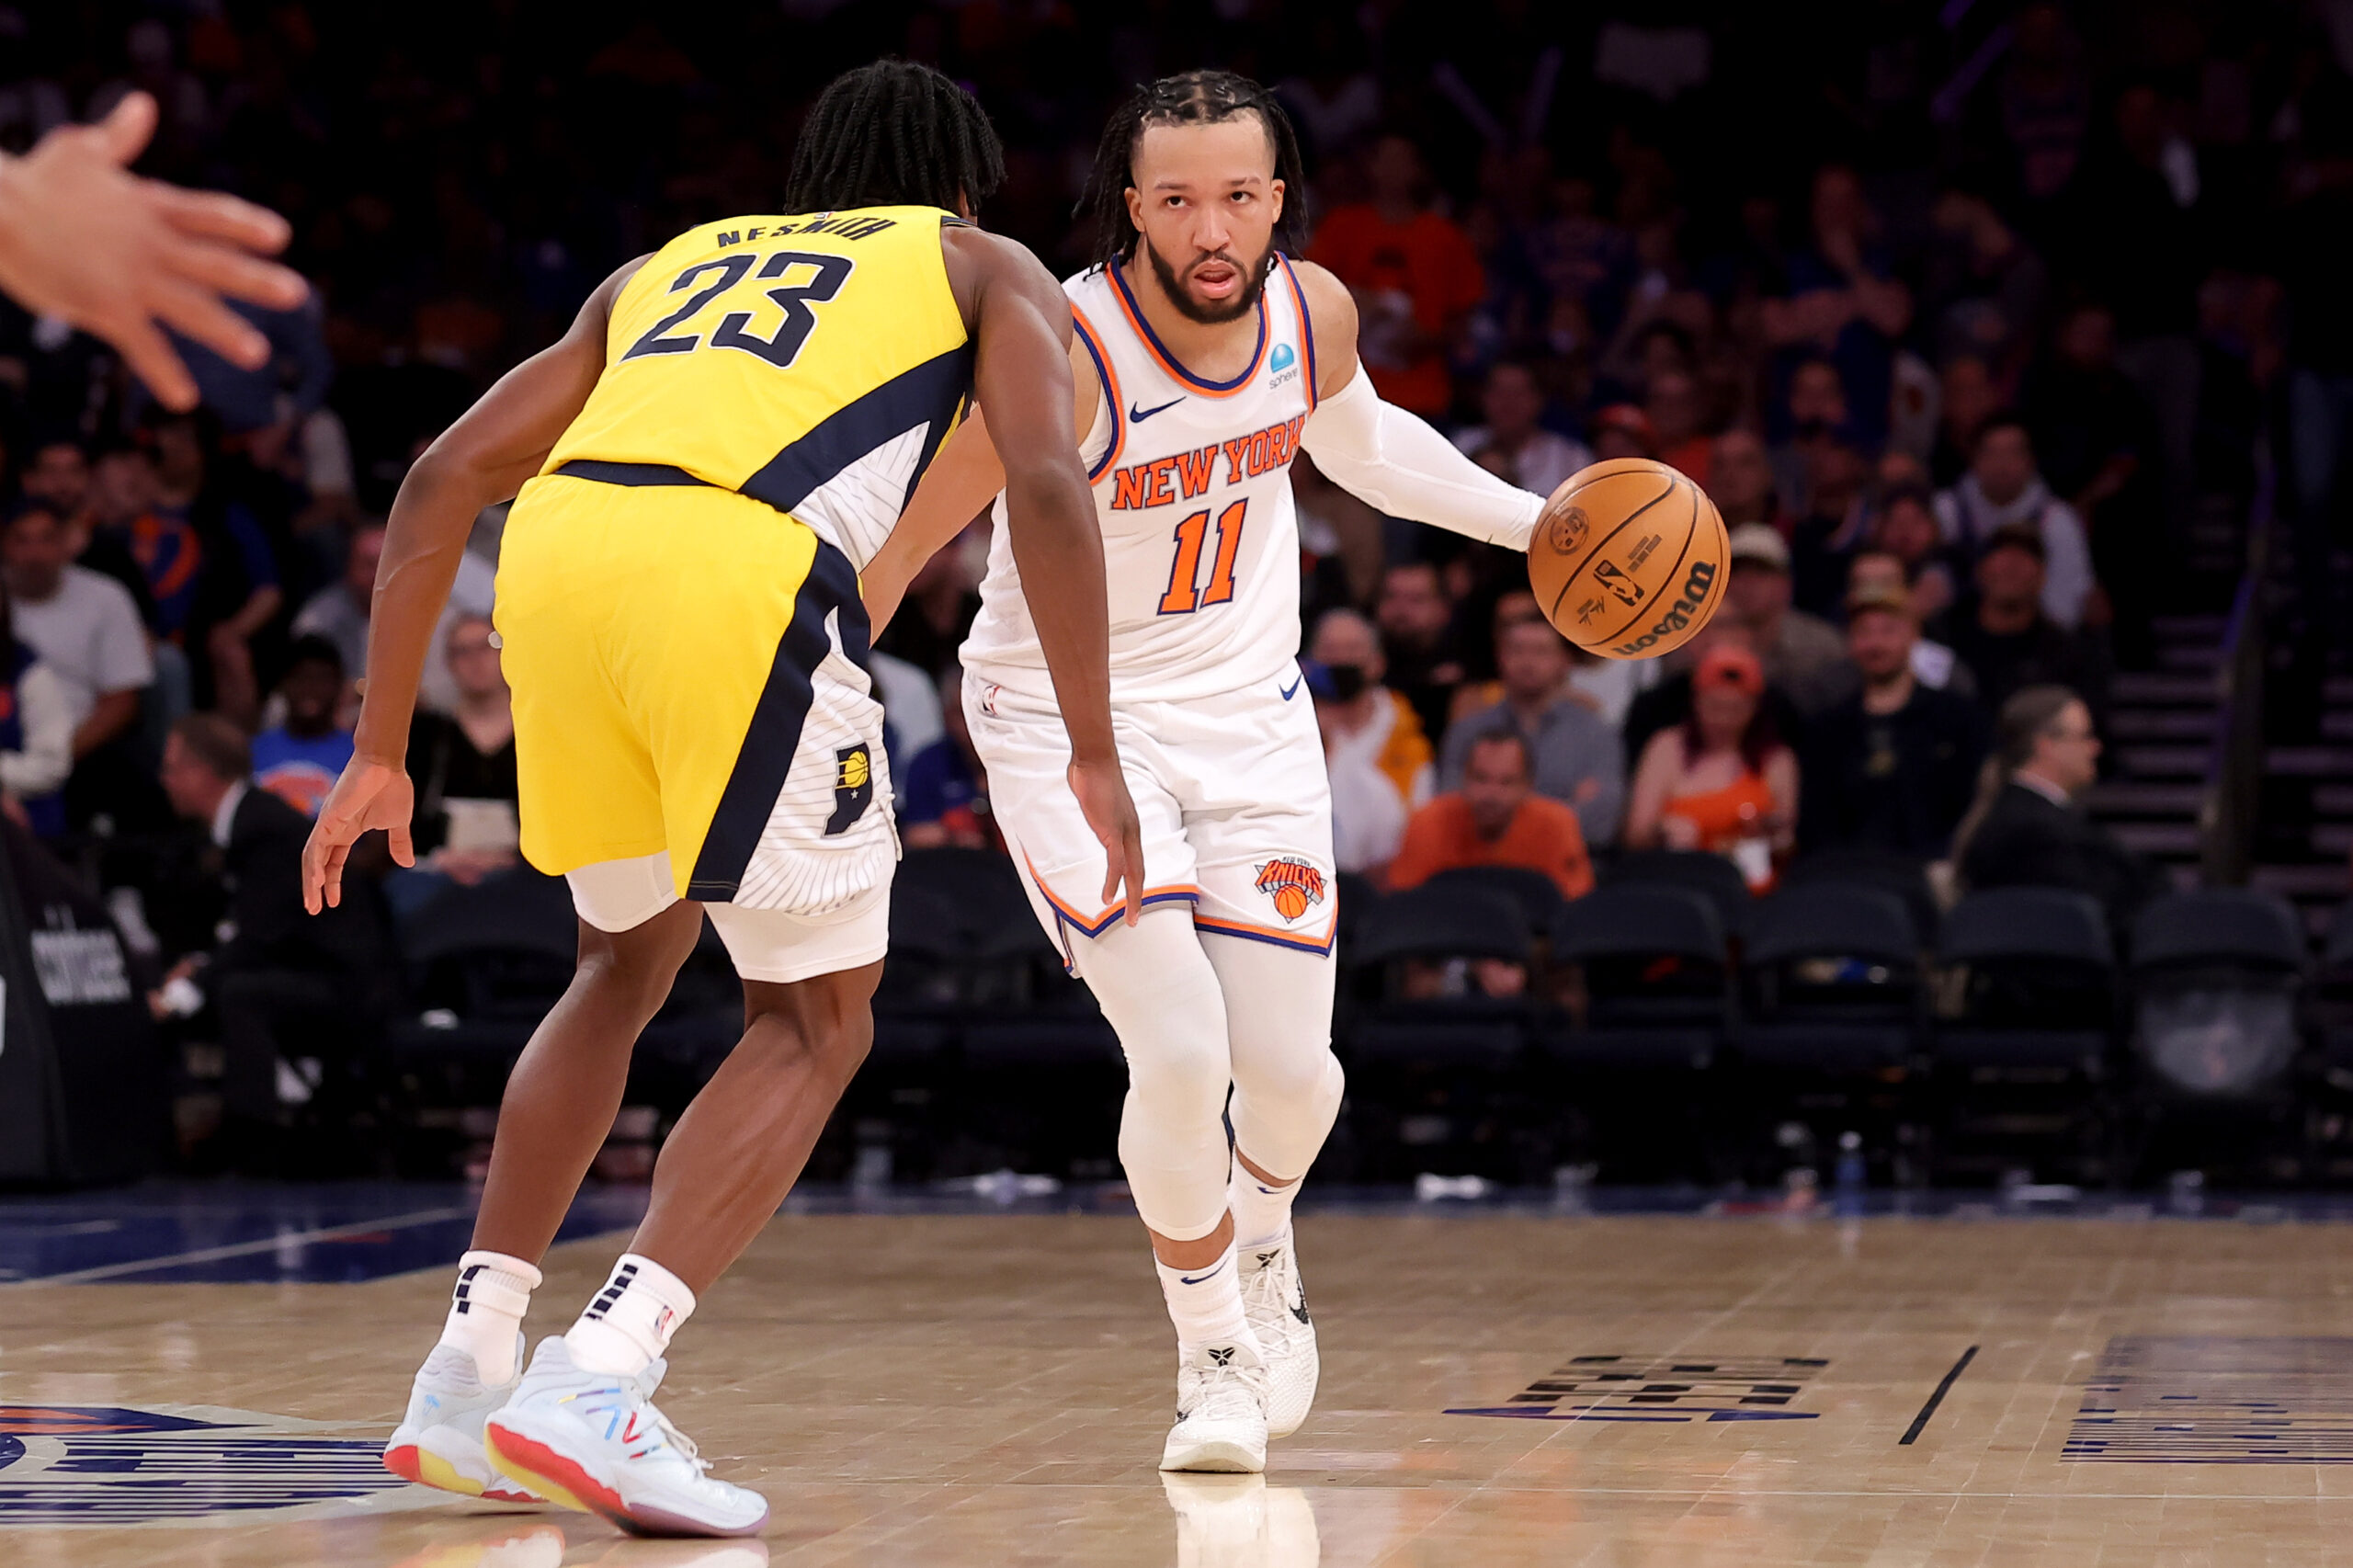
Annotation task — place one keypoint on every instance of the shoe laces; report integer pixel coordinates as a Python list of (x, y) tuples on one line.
[(1231, 1391), (675, 1441), (1262, 1290)]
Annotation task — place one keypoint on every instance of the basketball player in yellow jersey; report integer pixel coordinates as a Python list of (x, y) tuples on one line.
[(727, 434)]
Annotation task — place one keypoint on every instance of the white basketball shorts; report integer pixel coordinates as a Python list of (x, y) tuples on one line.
[(1231, 791)]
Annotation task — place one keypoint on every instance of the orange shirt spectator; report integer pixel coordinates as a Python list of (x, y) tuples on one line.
[(1495, 819), (1415, 274)]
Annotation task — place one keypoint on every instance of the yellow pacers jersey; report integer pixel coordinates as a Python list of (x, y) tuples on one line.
[(814, 362)]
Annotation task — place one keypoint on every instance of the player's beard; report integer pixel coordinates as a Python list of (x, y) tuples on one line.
[(1245, 299)]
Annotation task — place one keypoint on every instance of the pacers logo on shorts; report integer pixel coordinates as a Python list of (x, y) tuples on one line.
[(1294, 885), (853, 787)]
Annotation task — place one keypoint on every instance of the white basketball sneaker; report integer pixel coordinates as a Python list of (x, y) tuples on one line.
[(1221, 1411), (594, 1441), (438, 1442), (1277, 1304)]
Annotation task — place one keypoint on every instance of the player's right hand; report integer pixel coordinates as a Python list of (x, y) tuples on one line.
[(83, 238), (370, 795), (1102, 791)]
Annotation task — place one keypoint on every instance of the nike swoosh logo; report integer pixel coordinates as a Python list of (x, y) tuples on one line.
[(1138, 415), (1189, 1279), (1289, 692)]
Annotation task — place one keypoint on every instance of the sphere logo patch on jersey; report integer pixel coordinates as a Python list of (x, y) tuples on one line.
[(178, 1464), (1280, 362), (1294, 885)]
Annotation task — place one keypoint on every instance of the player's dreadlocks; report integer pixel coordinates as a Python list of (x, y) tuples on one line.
[(1191, 97), (894, 134)]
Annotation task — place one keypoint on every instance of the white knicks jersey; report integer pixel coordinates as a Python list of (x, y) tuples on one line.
[(1192, 486)]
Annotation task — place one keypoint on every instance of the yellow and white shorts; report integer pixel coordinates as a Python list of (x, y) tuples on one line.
[(689, 671)]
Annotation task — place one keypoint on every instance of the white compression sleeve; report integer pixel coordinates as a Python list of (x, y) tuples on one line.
[(1397, 463)]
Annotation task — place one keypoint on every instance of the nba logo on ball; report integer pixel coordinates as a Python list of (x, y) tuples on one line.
[(1628, 559), (1294, 885)]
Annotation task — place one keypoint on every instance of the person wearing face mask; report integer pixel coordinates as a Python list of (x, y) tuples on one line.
[(1367, 727)]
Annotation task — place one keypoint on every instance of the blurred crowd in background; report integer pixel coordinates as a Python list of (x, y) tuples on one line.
[(1959, 311)]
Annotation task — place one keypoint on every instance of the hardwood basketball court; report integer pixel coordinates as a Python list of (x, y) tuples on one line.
[(1499, 1386)]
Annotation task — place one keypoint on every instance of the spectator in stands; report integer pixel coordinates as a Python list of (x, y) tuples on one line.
[(289, 989), (1878, 574), (1841, 301), (2029, 828), (1415, 278), (235, 593), (2002, 490), (1895, 766), (1418, 641), (1802, 653), (943, 799), (86, 628), (1833, 522), (1666, 702), (1814, 406), (2095, 438), (461, 765), (1512, 444), (300, 758), (60, 474), (1622, 430), (1495, 819), (1368, 812), (1369, 721), (2002, 633), (340, 612), (36, 734), (1907, 529), (1678, 415), (1740, 481), (1577, 756), (1722, 780)]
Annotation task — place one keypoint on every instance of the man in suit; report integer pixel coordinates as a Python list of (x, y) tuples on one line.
[(288, 988), (2032, 832)]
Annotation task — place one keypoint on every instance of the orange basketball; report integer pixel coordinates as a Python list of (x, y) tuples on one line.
[(1628, 559), (1290, 903)]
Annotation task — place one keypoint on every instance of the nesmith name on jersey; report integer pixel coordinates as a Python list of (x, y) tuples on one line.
[(823, 223), (1165, 481)]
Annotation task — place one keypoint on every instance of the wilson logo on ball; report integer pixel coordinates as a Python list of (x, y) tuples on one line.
[(1678, 614), (1294, 885), (1566, 532)]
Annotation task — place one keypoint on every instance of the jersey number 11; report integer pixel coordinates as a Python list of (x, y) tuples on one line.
[(1183, 597)]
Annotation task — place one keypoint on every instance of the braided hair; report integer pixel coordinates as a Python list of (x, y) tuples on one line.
[(894, 134), (1190, 97)]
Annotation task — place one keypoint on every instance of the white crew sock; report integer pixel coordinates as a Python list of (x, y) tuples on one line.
[(486, 1310), (631, 1321), (1205, 1303), (1261, 1212)]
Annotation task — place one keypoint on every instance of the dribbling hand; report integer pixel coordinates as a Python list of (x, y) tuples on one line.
[(1102, 791), (369, 795)]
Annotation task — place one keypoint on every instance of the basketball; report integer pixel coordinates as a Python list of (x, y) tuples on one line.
[(1628, 559)]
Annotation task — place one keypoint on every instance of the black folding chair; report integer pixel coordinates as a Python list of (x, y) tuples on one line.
[(1713, 877)]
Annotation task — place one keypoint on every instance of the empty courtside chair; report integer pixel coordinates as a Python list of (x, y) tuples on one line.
[(1431, 1053), (2030, 1012), (1657, 978), (2330, 1000), (1832, 982), (1712, 876), (2216, 972), (1903, 875), (1538, 895), (1622, 1080), (2035, 980)]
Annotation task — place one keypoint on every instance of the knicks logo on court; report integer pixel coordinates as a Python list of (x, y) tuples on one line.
[(1294, 885)]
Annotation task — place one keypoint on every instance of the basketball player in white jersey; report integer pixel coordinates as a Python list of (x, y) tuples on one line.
[(1206, 358)]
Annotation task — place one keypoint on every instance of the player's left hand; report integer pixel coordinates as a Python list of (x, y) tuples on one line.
[(83, 238), (1102, 791), (370, 795)]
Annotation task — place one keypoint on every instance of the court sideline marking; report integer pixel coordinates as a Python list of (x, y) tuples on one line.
[(245, 1249)]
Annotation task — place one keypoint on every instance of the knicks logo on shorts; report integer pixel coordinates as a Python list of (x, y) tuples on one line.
[(1294, 885)]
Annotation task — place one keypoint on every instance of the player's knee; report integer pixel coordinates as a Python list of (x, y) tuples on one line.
[(1289, 1076), (1180, 1073), (792, 1038)]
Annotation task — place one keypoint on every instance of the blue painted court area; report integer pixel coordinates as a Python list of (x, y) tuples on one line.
[(229, 1232)]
